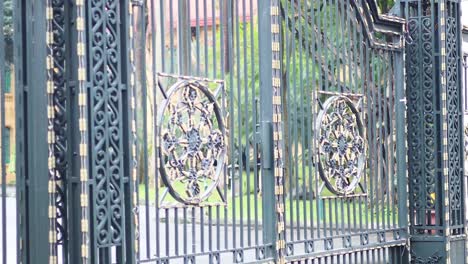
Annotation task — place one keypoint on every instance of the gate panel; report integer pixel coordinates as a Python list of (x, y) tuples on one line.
[(341, 89), (106, 126), (198, 102)]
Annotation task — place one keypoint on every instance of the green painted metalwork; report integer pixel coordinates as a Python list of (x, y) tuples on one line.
[(236, 131), (435, 125)]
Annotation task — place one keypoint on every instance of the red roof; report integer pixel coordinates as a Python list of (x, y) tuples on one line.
[(205, 15)]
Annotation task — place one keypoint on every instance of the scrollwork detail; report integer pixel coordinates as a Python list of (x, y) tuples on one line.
[(341, 145)]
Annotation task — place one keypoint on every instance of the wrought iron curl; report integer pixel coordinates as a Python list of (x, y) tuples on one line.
[(192, 147), (341, 145)]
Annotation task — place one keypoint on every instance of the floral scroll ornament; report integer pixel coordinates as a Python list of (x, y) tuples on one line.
[(192, 143), (341, 153)]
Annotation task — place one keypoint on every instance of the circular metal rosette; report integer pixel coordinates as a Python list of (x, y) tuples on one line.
[(192, 147), (341, 152)]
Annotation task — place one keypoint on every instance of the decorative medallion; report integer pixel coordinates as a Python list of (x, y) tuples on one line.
[(191, 142), (341, 152)]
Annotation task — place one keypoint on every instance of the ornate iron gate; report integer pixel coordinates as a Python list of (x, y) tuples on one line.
[(229, 131), (344, 164), (311, 169)]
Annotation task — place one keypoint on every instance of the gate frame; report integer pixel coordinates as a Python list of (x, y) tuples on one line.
[(31, 144)]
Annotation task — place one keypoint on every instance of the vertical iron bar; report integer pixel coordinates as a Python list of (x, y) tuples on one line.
[(155, 85), (205, 28), (247, 116), (266, 117), (183, 28), (214, 29), (162, 28), (144, 99), (171, 29), (197, 32), (19, 10), (2, 132), (36, 140)]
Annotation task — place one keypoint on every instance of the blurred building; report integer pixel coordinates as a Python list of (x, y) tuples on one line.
[(8, 134)]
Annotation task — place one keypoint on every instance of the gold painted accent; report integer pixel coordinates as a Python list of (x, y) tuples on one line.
[(82, 99), (51, 136), (49, 63), (275, 46), (80, 49), (50, 111), (275, 11), (79, 3), (84, 200), (280, 208), (277, 118), (276, 64), (84, 251), (280, 227), (81, 74), (277, 135), (51, 163), (83, 175), (80, 24), (49, 38), (52, 237), (276, 100), (280, 244), (442, 53), (82, 125), (52, 211), (275, 29), (83, 148), (84, 226), (50, 87), (276, 82), (51, 186), (279, 190)]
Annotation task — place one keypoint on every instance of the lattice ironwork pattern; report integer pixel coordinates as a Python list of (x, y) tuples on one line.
[(60, 118), (435, 127), (192, 136), (422, 107), (52, 86), (83, 115), (106, 131), (454, 113), (341, 145)]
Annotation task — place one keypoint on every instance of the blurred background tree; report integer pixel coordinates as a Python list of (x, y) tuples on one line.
[(8, 29)]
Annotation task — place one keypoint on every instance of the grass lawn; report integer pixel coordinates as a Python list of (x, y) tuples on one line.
[(337, 211)]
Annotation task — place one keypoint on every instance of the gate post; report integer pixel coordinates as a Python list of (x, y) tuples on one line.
[(32, 147), (266, 119), (435, 125)]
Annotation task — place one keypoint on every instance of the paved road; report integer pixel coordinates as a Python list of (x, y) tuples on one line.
[(10, 234), (172, 240)]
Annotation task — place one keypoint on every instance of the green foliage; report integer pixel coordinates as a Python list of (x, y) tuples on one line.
[(8, 29), (12, 164), (385, 5)]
